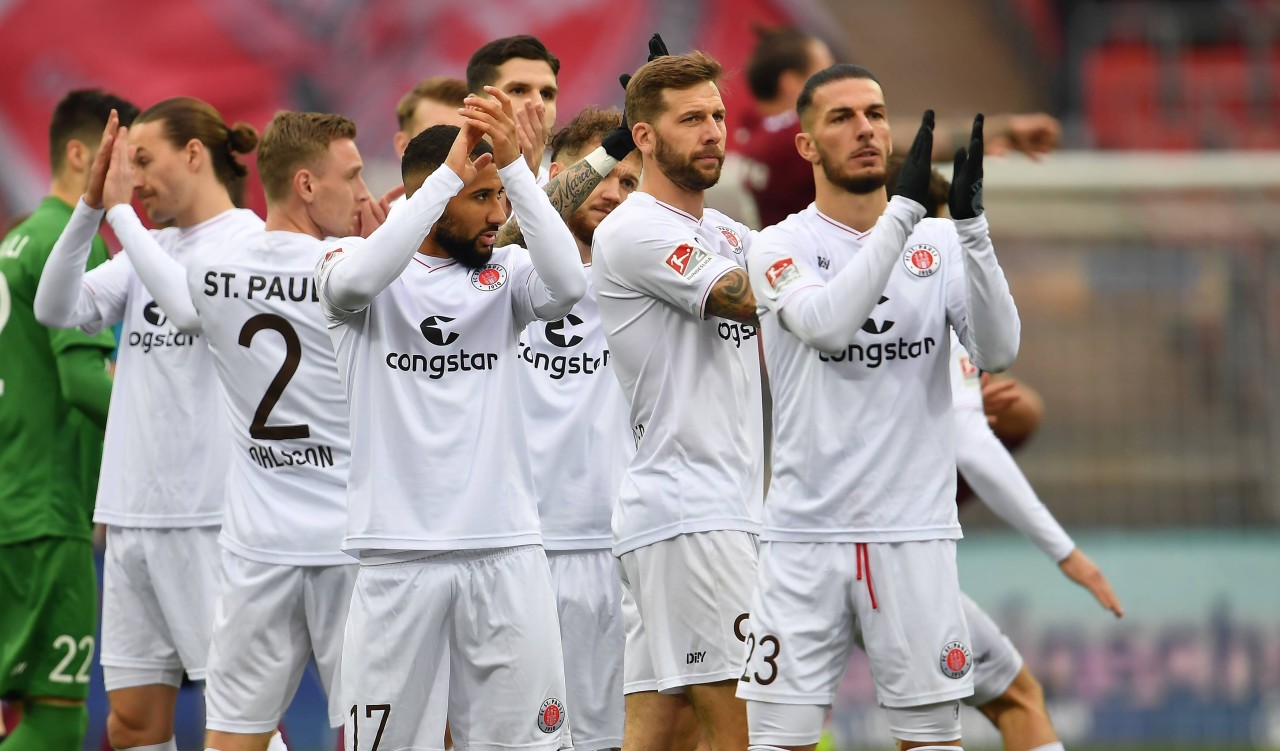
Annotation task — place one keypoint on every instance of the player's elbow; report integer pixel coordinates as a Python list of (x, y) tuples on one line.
[(187, 322)]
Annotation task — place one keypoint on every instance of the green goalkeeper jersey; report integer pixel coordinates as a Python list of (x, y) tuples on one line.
[(49, 449)]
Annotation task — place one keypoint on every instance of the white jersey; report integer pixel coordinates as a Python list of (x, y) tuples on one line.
[(966, 382), (164, 463), (438, 459), (693, 384), (864, 448), (286, 499), (575, 408)]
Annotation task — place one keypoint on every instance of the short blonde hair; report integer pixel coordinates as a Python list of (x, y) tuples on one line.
[(438, 89), (294, 141)]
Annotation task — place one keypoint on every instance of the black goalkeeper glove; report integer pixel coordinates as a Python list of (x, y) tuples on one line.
[(657, 47), (913, 180), (965, 198)]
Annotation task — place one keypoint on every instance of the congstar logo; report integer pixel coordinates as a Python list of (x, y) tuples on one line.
[(154, 315), (555, 331), (871, 327), (432, 331)]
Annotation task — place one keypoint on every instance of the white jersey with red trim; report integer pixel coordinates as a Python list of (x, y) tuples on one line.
[(438, 454), (693, 382), (864, 448), (164, 463), (286, 491), (574, 406)]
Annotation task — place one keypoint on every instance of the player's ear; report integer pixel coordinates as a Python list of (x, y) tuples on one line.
[(401, 142), (555, 169), (194, 154), (807, 149), (303, 186), (78, 155), (645, 137)]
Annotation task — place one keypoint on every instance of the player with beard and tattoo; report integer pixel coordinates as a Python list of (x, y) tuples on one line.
[(677, 311), (453, 613), (857, 299), (572, 400)]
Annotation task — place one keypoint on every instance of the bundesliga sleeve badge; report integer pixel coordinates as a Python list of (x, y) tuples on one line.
[(687, 260), (956, 660), (489, 277), (922, 260), (782, 274)]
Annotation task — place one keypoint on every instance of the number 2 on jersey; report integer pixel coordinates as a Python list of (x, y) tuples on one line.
[(259, 429)]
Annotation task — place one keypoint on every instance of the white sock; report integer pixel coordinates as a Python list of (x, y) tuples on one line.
[(1055, 746), (169, 745), (277, 743)]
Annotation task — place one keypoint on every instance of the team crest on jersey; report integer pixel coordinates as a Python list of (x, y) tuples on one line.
[(782, 274), (550, 715), (956, 660), (922, 260), (489, 277), (735, 242), (687, 260)]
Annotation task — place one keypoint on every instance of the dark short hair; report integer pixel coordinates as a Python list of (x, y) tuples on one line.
[(186, 118), (777, 51), (428, 150), (482, 69), (437, 89), (837, 72), (591, 124), (80, 116)]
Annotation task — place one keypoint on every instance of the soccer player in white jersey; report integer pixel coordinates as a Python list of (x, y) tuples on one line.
[(677, 311), (453, 612), (859, 535), (164, 465), (573, 403), (1005, 691), (285, 584)]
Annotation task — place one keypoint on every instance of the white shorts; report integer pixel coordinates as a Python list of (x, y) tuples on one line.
[(269, 620), (996, 662), (471, 636), (900, 602), (684, 604), (158, 593), (589, 600)]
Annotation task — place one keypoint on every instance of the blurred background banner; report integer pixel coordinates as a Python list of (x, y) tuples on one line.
[(1144, 256)]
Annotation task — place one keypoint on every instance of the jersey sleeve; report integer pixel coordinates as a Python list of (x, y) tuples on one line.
[(995, 477), (825, 315), (555, 280), (66, 296), (161, 274), (671, 266), (980, 307), (65, 340), (333, 255)]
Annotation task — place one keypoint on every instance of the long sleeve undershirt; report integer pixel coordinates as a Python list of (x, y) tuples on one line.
[(994, 329), (559, 280), (61, 298), (161, 274), (827, 317), (996, 479), (84, 381)]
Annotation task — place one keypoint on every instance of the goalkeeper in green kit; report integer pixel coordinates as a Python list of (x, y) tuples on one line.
[(54, 391)]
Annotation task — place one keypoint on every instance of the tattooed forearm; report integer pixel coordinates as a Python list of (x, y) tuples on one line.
[(569, 189), (731, 298), (567, 192)]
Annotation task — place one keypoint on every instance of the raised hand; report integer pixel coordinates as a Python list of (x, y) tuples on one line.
[(532, 132), (657, 48), (101, 161), (495, 119), (998, 396), (1032, 134), (370, 215), (1081, 570), (965, 198), (459, 158), (117, 188), (913, 180)]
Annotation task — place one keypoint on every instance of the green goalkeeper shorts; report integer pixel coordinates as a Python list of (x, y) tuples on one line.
[(48, 614)]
